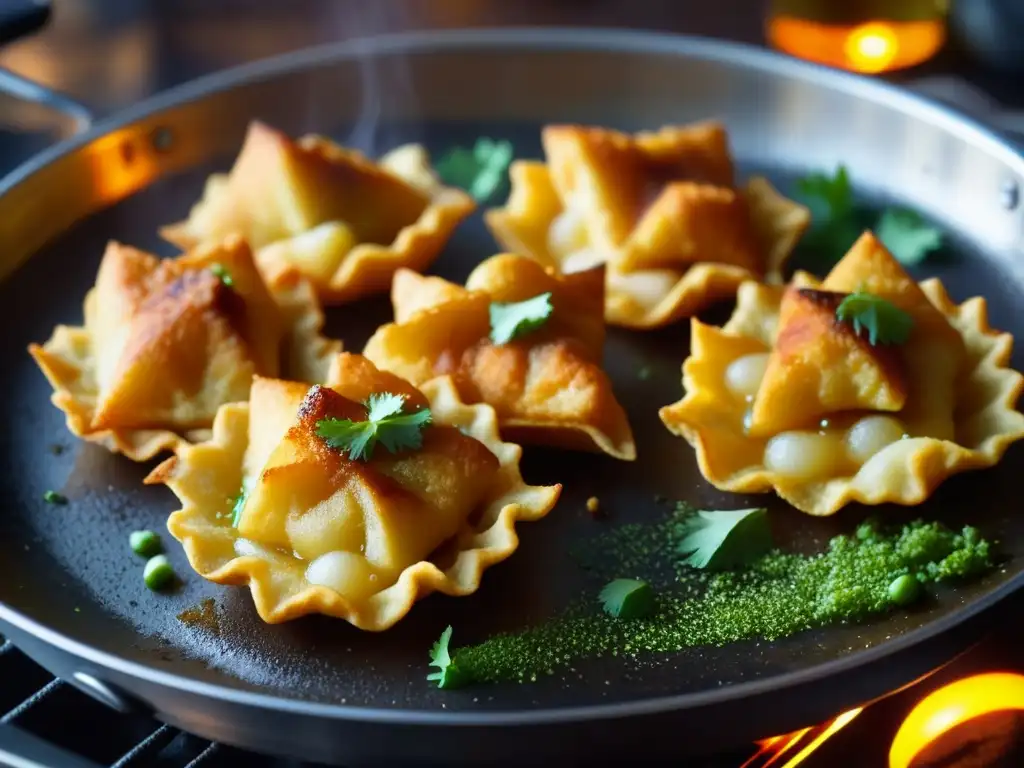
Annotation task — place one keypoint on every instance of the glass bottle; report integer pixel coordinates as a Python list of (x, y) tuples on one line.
[(869, 36)]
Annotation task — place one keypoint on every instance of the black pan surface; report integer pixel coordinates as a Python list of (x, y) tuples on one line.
[(69, 567)]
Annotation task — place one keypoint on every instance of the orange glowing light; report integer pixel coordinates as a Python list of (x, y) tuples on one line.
[(871, 47), (835, 726), (774, 748), (951, 706)]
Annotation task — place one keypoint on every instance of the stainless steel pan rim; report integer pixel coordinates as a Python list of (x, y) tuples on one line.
[(546, 39)]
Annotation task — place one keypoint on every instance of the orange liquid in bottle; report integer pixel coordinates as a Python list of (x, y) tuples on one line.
[(881, 38)]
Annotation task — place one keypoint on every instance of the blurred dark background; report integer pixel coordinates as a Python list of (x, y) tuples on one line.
[(110, 53)]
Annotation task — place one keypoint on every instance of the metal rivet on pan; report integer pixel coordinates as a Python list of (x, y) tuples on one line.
[(161, 138), (1009, 196), (101, 692)]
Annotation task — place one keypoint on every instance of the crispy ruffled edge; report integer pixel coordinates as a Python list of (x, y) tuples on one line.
[(923, 463), (367, 269), (491, 540), (65, 360), (533, 197)]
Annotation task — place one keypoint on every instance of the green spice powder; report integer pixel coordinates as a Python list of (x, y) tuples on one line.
[(778, 595)]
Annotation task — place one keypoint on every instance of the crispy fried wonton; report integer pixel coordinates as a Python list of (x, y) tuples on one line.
[(661, 209), (342, 220), (547, 385), (167, 342), (787, 396), (315, 531)]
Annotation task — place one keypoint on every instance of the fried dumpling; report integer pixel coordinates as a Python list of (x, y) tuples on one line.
[(166, 342), (820, 365), (342, 220), (546, 385), (661, 209), (844, 420), (318, 531)]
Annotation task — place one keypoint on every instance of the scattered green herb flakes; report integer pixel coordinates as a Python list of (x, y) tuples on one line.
[(516, 319), (627, 599), (884, 322), (778, 595), (223, 275), (385, 423), (145, 543), (907, 235), (158, 573), (449, 674), (723, 539), (481, 171), (52, 497)]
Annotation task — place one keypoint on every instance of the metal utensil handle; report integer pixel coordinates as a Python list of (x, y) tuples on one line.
[(20, 749), (17, 19)]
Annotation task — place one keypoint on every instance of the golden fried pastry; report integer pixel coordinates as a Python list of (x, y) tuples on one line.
[(661, 209), (167, 342), (819, 365), (546, 382), (317, 530), (338, 218), (867, 387)]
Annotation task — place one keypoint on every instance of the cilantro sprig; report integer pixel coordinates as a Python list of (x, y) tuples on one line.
[(516, 319), (838, 222), (884, 322), (449, 674), (385, 423), (723, 539), (627, 599), (481, 171), (907, 235)]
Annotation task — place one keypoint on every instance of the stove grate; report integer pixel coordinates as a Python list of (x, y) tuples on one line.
[(37, 704)]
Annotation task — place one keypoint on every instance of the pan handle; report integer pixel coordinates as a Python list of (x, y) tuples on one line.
[(17, 19), (21, 749)]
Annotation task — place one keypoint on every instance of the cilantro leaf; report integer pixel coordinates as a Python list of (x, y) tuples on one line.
[(385, 422), (512, 320), (884, 322), (907, 235), (221, 272), (449, 674), (627, 599), (481, 171), (837, 222), (832, 196), (723, 539)]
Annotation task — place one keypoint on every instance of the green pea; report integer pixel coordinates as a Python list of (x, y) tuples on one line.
[(52, 497), (158, 573), (904, 590), (145, 543)]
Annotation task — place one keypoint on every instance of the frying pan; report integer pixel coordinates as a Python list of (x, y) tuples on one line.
[(72, 596)]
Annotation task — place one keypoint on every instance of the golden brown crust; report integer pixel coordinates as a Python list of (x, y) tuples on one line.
[(970, 429), (340, 219), (480, 508), (660, 208), (819, 365), (166, 342), (545, 384)]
